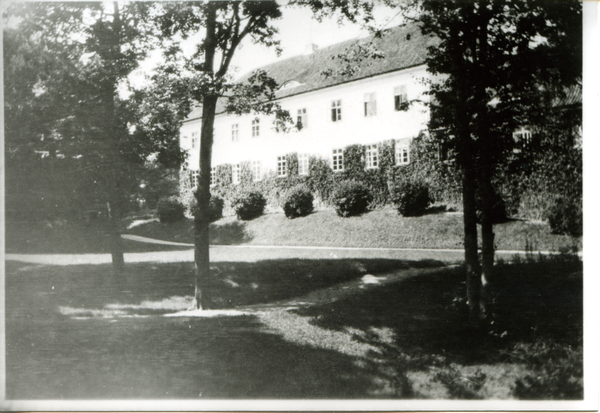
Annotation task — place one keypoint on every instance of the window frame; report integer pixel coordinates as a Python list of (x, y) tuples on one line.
[(523, 135), (370, 104), (194, 178), (235, 173), (281, 166), (256, 174), (213, 176), (302, 119), (303, 159), (336, 110), (372, 156), (195, 139), (255, 127), (402, 151), (235, 132), (400, 98), (337, 160)]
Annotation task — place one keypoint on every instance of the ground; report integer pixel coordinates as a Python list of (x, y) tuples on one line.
[(290, 324)]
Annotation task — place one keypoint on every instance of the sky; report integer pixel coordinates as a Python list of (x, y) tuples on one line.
[(297, 30)]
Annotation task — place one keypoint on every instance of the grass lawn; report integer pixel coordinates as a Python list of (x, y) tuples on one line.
[(69, 238), (380, 228), (349, 328)]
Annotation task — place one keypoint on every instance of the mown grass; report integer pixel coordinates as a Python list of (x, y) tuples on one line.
[(67, 238), (381, 228), (76, 332)]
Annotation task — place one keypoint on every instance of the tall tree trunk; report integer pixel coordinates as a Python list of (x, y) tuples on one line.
[(473, 269), (201, 220), (487, 235), (116, 243), (485, 166), (115, 193)]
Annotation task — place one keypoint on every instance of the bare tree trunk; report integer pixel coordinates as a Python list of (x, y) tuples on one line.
[(201, 219), (116, 243), (485, 167), (115, 195), (471, 257)]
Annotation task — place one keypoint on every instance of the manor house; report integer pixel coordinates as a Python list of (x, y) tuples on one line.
[(330, 113)]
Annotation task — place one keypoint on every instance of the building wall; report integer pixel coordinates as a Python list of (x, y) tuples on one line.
[(321, 135)]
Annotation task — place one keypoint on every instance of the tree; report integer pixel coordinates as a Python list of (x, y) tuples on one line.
[(499, 64), (226, 24), (77, 56)]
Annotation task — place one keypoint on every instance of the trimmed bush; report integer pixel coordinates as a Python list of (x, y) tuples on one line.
[(351, 198), (566, 217), (215, 208), (298, 203), (170, 210), (411, 198), (249, 205)]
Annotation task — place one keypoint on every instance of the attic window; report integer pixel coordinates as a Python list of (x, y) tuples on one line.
[(289, 85)]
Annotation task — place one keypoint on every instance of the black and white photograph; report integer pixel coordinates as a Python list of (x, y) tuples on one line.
[(299, 205)]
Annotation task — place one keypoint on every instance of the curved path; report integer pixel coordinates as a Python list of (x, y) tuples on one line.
[(252, 253)]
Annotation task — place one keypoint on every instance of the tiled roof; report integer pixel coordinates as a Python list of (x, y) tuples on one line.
[(403, 47)]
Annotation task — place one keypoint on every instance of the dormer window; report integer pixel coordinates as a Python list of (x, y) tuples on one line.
[(290, 84)]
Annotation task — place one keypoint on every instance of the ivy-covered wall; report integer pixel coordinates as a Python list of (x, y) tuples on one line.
[(322, 180), (529, 184)]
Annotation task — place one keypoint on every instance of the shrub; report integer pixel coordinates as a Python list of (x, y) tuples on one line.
[(298, 203), (249, 205), (411, 198), (215, 208), (566, 217), (170, 210), (351, 198)]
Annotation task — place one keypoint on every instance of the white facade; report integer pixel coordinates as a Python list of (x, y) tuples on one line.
[(365, 112)]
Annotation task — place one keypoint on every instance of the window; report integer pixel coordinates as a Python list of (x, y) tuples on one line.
[(255, 128), (235, 132), (256, 170), (195, 139), (372, 156), (194, 179), (303, 164), (281, 166), (213, 175), (403, 152), (337, 160), (302, 119), (370, 104), (336, 111), (400, 98), (235, 174), (522, 135)]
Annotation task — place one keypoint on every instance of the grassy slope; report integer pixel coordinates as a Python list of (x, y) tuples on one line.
[(381, 228)]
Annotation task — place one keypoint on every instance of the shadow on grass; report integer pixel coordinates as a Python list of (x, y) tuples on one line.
[(108, 345), (415, 326), (232, 284), (428, 314)]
